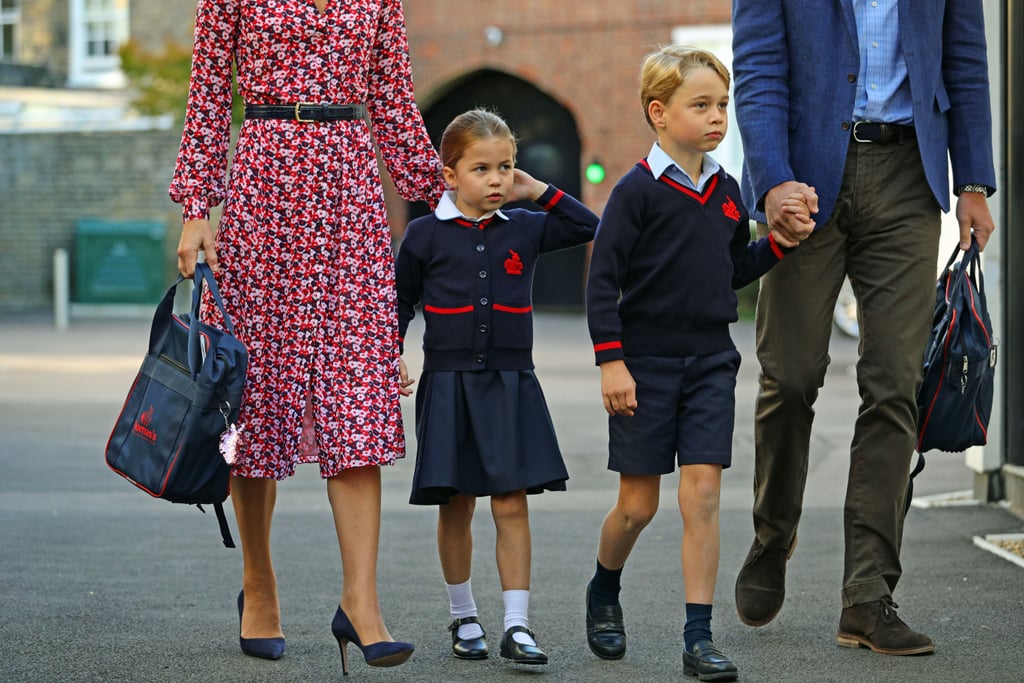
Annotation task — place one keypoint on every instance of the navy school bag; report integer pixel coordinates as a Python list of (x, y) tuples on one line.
[(166, 441), (954, 402)]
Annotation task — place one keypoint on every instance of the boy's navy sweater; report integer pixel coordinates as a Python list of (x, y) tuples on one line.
[(475, 281), (665, 265)]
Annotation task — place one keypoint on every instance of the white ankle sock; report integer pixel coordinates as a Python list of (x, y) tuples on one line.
[(517, 606), (461, 605)]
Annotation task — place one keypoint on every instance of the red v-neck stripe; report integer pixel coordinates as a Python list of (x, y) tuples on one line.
[(700, 197)]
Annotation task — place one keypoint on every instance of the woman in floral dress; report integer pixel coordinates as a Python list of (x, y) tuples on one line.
[(303, 258)]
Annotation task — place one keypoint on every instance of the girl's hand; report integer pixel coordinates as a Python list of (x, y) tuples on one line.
[(525, 187), (403, 379), (196, 235)]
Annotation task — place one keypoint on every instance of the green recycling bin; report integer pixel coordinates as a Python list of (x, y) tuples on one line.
[(119, 262)]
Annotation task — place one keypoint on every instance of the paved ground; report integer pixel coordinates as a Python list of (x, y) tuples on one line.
[(101, 583)]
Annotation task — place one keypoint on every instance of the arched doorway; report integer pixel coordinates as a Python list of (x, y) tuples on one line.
[(549, 149)]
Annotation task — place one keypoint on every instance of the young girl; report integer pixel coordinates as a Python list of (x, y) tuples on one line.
[(482, 424)]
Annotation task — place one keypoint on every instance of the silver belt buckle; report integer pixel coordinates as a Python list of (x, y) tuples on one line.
[(857, 138)]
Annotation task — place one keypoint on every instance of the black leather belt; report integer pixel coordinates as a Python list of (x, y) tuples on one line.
[(306, 112), (882, 133)]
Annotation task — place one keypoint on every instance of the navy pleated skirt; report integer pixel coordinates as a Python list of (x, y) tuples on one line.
[(481, 434)]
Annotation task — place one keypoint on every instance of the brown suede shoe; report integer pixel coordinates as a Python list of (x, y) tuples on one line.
[(876, 626), (761, 583)]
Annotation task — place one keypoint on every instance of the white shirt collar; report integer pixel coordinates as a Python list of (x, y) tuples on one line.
[(660, 162), (447, 210)]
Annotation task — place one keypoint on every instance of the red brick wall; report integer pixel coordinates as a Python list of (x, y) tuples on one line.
[(585, 54)]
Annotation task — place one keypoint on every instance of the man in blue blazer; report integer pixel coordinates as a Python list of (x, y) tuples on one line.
[(864, 102)]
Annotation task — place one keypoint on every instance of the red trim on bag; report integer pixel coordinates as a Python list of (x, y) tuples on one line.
[(448, 311), (512, 309), (942, 378), (170, 470), (974, 313)]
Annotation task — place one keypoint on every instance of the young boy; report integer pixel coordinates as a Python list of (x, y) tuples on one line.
[(672, 246)]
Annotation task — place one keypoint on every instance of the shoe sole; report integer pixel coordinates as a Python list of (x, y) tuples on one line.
[(391, 660), (855, 641), (470, 658), (607, 656), (525, 662), (723, 676)]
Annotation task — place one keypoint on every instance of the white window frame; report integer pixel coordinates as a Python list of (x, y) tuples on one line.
[(10, 17), (87, 17)]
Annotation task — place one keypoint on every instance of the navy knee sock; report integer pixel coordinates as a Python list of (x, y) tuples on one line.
[(605, 586), (698, 623)]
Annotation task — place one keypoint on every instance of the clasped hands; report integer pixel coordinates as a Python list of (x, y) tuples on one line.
[(788, 207)]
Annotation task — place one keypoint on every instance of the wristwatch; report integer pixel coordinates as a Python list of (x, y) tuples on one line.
[(972, 188)]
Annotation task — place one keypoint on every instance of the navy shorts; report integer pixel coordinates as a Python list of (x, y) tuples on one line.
[(686, 409)]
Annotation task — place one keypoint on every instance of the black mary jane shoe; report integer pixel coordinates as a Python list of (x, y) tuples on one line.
[(519, 653), (468, 648), (708, 663), (606, 634)]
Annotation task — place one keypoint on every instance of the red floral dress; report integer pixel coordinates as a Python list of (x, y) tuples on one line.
[(303, 243)]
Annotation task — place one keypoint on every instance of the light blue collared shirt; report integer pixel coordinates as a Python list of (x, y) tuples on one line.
[(447, 210), (883, 86), (661, 163)]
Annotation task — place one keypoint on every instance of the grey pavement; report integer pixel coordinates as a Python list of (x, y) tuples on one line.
[(99, 582)]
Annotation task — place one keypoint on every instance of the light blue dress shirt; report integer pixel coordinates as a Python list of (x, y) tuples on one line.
[(883, 87)]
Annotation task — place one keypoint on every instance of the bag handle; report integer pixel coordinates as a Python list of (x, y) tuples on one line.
[(202, 275), (162, 316)]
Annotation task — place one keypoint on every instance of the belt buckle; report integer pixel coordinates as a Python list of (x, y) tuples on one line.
[(298, 117), (857, 138)]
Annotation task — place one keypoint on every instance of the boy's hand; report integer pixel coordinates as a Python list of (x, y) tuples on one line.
[(618, 388), (525, 187), (782, 240), (403, 379), (793, 226)]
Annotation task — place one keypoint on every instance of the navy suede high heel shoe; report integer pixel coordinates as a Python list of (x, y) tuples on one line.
[(384, 653), (265, 648)]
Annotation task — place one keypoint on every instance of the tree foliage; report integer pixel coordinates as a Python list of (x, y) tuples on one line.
[(160, 79)]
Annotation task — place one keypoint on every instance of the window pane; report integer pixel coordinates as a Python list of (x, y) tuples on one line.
[(7, 42)]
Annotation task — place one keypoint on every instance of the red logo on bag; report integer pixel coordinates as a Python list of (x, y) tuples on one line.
[(729, 209), (142, 426), (514, 264)]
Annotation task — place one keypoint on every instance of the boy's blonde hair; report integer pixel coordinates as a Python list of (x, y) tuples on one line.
[(469, 127), (665, 70)]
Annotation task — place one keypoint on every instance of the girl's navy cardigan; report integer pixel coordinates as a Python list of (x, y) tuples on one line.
[(475, 281), (665, 265)]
